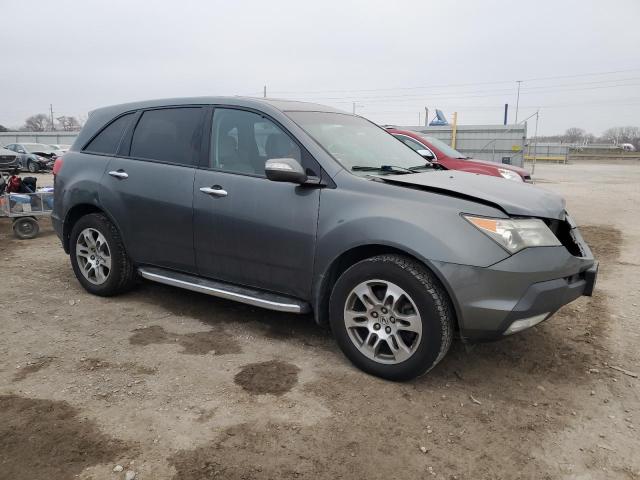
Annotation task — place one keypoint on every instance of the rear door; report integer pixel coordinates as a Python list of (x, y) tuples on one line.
[(254, 232), (148, 186)]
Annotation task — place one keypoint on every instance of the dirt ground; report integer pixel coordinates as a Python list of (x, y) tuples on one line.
[(170, 384)]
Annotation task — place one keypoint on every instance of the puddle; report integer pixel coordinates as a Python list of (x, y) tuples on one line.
[(605, 241), (273, 377), (216, 341), (47, 439)]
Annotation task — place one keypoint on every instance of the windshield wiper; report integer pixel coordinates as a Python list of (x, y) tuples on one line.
[(384, 168)]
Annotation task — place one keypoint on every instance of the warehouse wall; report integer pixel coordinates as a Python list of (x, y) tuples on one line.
[(63, 138), (495, 143)]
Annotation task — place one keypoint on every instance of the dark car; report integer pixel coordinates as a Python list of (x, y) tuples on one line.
[(8, 160), (299, 208), (436, 151), (34, 156)]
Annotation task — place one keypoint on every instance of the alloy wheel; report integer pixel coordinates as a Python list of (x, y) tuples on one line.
[(383, 321), (93, 256)]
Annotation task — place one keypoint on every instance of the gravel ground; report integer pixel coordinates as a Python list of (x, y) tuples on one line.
[(168, 384)]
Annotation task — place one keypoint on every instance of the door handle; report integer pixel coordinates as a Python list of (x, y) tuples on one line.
[(216, 192), (119, 174)]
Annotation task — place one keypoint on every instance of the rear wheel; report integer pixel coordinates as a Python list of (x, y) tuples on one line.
[(98, 257), (391, 317), (25, 228)]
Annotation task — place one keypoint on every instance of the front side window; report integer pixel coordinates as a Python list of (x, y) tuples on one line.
[(241, 142), (356, 143), (172, 135), (410, 142), (444, 148), (107, 141)]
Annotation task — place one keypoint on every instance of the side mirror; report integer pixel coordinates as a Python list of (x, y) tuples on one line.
[(285, 170), (426, 154), (21, 151)]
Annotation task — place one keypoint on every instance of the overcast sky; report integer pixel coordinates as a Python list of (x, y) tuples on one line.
[(391, 58)]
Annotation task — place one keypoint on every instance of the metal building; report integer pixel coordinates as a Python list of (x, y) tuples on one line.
[(495, 143), (48, 138)]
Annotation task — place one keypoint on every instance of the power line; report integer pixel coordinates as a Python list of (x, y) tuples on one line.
[(471, 94), (449, 85)]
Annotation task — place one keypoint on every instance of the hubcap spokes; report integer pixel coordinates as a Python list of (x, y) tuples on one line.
[(382, 321), (93, 255)]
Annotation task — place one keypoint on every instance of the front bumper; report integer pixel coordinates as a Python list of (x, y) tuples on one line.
[(518, 292)]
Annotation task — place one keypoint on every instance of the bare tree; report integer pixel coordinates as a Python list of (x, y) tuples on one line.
[(37, 123), (3, 128), (623, 135), (574, 135), (69, 124)]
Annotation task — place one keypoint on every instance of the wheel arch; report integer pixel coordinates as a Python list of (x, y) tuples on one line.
[(74, 214), (325, 280)]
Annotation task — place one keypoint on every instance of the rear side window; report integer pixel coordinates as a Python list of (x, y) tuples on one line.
[(171, 135), (107, 141)]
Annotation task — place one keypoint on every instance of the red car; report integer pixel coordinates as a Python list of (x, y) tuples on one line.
[(436, 151)]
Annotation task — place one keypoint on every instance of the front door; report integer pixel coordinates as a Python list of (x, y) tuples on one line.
[(249, 230)]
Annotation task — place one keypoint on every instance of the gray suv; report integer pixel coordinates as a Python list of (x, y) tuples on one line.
[(301, 208)]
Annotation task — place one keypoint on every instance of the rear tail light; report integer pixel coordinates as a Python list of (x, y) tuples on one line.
[(57, 165)]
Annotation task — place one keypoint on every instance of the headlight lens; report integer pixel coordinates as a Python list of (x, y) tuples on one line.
[(510, 175), (515, 234)]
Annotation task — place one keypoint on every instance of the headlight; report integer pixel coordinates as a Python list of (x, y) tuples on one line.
[(516, 234), (509, 175)]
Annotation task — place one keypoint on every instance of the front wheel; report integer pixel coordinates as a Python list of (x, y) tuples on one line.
[(391, 317), (98, 256), (32, 166)]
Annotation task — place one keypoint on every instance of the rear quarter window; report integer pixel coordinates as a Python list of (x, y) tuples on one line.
[(108, 140)]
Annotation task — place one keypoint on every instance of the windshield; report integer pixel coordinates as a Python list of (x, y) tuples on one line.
[(356, 142), (444, 148)]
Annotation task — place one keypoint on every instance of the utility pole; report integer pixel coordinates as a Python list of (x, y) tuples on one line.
[(506, 112), (426, 117), (419, 118), (51, 112), (535, 145), (518, 100), (264, 94)]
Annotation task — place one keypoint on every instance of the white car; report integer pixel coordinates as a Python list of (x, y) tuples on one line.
[(61, 147)]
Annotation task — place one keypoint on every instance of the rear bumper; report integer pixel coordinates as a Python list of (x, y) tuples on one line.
[(518, 292)]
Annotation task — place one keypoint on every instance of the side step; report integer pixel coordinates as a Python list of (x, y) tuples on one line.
[(250, 296)]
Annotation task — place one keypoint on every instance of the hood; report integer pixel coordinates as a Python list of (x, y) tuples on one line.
[(506, 166), (513, 198), (44, 153)]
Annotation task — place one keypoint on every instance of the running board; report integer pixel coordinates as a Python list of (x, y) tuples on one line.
[(250, 296)]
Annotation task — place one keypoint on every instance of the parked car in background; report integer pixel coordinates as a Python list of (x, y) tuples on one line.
[(34, 156), (8, 160), (437, 151), (62, 148), (298, 207)]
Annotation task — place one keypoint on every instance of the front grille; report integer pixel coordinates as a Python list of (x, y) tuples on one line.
[(563, 230)]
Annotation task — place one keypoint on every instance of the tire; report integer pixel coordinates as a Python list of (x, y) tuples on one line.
[(32, 166), (25, 228), (423, 323), (108, 249)]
